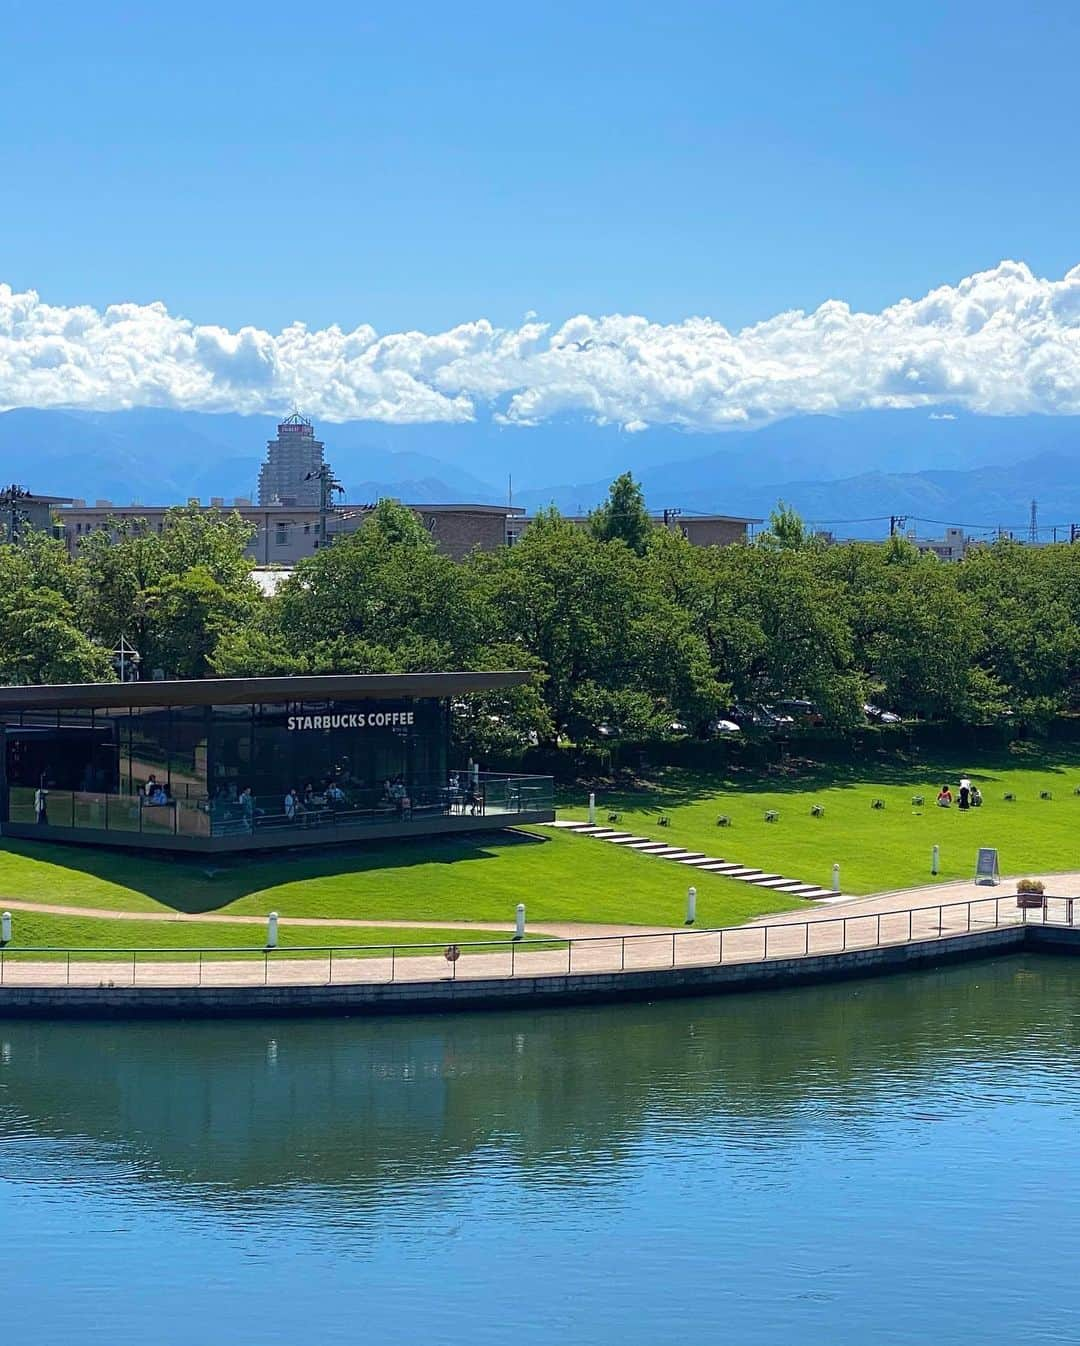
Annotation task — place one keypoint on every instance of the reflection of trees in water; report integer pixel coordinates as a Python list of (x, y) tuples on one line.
[(374, 1103)]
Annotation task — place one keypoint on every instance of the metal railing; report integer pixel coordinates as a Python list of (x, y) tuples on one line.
[(341, 964)]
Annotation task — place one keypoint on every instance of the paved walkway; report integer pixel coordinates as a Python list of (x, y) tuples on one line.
[(893, 918), (479, 929)]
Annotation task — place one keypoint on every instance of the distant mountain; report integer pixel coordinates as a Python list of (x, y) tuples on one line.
[(938, 464), (167, 457)]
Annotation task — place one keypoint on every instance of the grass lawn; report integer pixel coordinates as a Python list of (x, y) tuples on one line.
[(463, 878), (877, 849), (34, 929)]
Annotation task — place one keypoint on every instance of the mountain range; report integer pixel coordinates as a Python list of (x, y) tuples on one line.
[(847, 473)]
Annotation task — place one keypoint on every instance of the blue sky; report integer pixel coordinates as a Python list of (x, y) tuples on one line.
[(420, 165)]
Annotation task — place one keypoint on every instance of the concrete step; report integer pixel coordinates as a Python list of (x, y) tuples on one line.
[(814, 893), (691, 857), (606, 834), (698, 861), (773, 881), (722, 867), (670, 852), (741, 872), (789, 886), (627, 839)]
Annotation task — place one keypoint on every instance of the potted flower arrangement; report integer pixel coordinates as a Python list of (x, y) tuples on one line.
[(1029, 892)]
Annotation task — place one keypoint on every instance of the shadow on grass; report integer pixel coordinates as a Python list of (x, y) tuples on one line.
[(923, 772), (207, 883)]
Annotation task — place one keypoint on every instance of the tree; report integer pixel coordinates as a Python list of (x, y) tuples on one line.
[(623, 516), (133, 584)]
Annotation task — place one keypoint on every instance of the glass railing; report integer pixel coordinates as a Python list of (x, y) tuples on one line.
[(457, 795)]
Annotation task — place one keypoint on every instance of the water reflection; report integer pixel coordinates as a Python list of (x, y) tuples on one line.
[(217, 1113)]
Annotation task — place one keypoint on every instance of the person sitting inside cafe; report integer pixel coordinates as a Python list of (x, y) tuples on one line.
[(944, 798)]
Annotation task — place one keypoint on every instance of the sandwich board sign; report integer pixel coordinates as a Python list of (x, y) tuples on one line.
[(986, 866)]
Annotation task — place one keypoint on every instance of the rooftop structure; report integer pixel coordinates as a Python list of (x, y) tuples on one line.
[(290, 474)]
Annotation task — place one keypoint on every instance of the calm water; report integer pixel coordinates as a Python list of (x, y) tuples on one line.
[(891, 1161)]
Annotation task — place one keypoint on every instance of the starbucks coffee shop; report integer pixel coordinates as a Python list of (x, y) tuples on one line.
[(225, 764)]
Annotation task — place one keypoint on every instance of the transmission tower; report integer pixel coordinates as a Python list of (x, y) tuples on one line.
[(1033, 526)]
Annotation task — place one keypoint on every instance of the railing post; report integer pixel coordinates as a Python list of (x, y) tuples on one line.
[(266, 966), (672, 950), (909, 925), (134, 955), (843, 946), (766, 953), (969, 918), (330, 974), (68, 980), (513, 946), (877, 937), (200, 967), (622, 953), (393, 961), (806, 941), (721, 944)]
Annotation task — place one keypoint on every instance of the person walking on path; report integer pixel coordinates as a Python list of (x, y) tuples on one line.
[(41, 804)]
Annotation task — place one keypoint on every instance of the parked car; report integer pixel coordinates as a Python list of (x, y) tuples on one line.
[(777, 716), (723, 728), (797, 708), (880, 716)]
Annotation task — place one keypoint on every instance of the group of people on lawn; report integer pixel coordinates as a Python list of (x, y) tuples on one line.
[(968, 796)]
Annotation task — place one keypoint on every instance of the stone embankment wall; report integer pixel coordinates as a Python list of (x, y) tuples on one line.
[(524, 992)]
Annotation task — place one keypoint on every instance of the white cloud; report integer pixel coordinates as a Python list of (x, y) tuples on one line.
[(1002, 341)]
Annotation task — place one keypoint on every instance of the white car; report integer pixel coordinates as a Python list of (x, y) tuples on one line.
[(722, 727)]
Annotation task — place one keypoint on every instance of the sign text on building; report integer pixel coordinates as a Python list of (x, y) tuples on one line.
[(376, 719)]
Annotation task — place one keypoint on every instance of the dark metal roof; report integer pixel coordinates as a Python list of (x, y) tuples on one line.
[(237, 691)]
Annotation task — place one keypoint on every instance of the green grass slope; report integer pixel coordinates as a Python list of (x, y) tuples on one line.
[(877, 849), (559, 877)]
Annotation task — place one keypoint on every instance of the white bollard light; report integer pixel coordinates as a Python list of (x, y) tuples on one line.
[(519, 921), (592, 810), (935, 856), (5, 928), (691, 906), (836, 878), (271, 930)]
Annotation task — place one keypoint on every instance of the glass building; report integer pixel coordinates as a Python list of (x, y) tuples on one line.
[(246, 763)]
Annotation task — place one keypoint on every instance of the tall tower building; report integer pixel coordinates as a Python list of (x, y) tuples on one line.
[(291, 459)]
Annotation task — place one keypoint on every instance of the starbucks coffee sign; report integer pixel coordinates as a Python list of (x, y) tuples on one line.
[(361, 719)]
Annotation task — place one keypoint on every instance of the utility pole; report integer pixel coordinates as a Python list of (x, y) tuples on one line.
[(897, 523), (1074, 531), (16, 515), (670, 515), (328, 485)]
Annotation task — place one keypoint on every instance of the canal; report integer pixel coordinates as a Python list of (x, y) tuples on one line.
[(892, 1160)]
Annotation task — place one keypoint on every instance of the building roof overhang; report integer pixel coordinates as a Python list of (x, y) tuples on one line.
[(240, 691)]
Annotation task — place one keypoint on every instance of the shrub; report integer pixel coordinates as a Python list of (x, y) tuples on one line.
[(1031, 886)]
